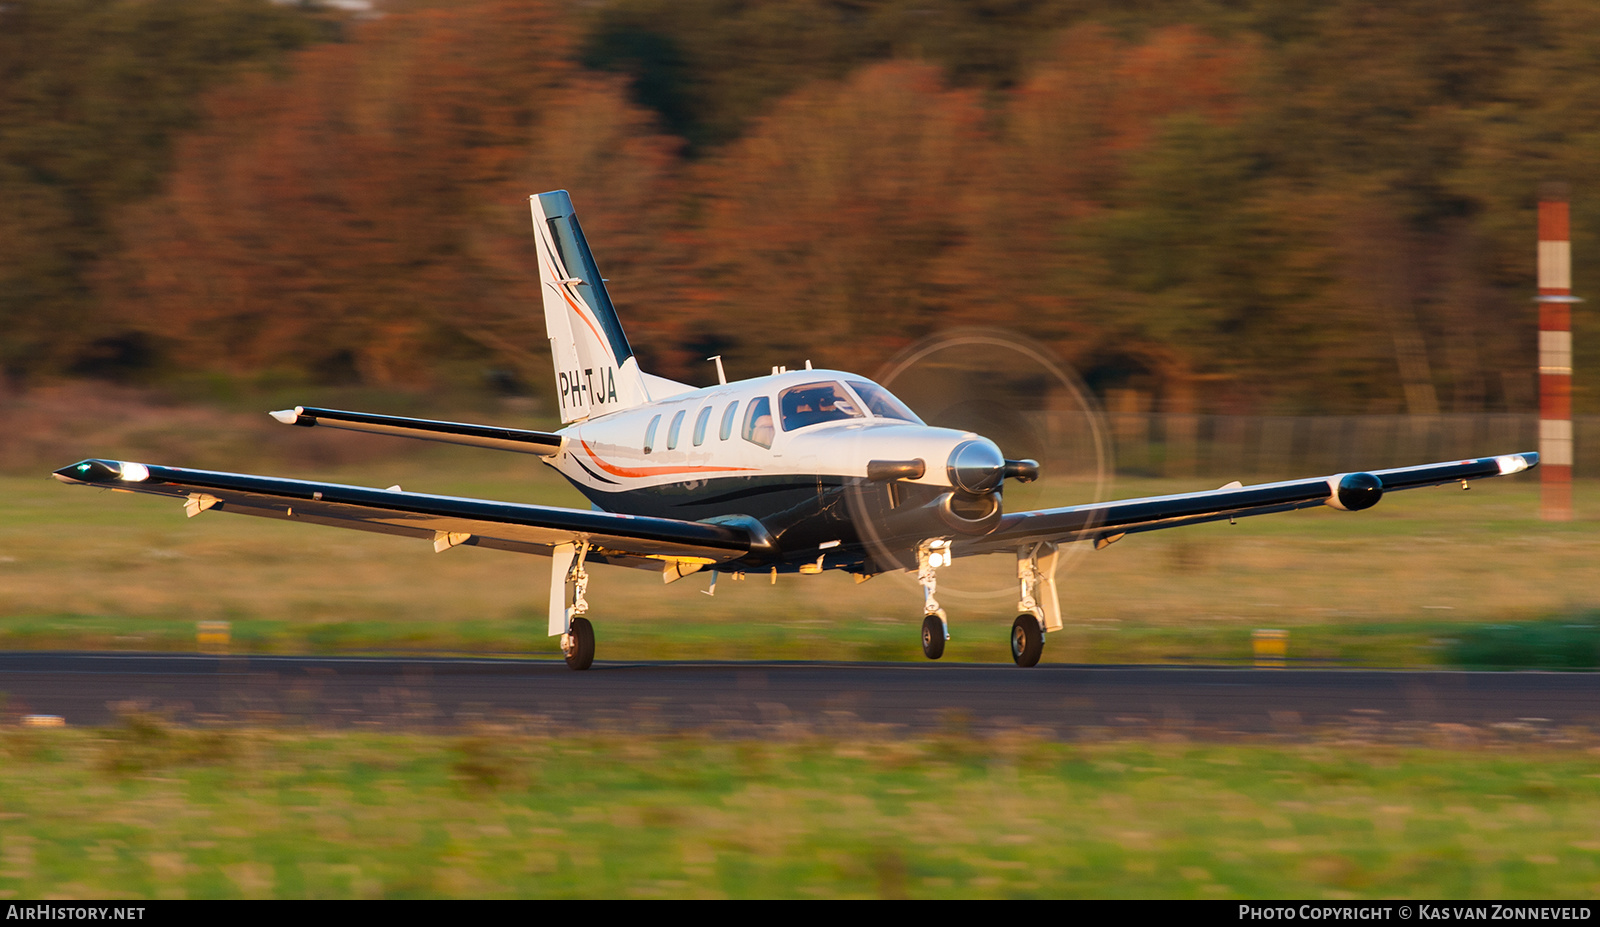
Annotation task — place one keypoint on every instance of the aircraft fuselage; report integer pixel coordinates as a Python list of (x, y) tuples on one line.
[(769, 450)]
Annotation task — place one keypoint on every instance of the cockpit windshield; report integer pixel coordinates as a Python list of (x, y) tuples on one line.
[(813, 403), (882, 403)]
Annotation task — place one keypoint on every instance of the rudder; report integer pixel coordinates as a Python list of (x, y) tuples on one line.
[(596, 371)]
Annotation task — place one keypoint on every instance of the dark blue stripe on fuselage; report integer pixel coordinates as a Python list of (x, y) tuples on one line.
[(799, 511)]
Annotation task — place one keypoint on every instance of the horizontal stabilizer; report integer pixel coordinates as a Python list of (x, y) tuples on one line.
[(542, 443)]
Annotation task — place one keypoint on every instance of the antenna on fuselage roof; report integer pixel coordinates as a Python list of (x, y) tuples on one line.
[(808, 363), (722, 378)]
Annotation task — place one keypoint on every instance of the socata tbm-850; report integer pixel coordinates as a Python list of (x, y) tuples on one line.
[(777, 474)]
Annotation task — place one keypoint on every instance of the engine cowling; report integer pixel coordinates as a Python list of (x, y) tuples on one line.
[(970, 514)]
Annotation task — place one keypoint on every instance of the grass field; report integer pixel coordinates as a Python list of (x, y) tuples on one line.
[(147, 811), (152, 811), (89, 569)]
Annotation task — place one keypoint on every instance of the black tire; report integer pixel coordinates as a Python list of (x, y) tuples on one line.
[(1027, 640), (932, 637), (580, 644)]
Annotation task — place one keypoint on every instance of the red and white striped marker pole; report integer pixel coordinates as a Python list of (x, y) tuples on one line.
[(1555, 354)]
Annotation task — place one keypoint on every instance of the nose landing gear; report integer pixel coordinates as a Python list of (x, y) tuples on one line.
[(933, 636), (935, 626)]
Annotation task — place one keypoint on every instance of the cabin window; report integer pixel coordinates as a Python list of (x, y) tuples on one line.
[(727, 419), (882, 403), (700, 426), (815, 403), (758, 422), (650, 434), (675, 429)]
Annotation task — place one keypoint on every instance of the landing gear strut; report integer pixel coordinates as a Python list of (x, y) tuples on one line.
[(1036, 600), (577, 634), (935, 626)]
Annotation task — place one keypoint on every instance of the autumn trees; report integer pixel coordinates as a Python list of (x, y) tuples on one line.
[(91, 93), (1322, 207)]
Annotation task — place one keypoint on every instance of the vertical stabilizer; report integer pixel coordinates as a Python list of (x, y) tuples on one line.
[(596, 371)]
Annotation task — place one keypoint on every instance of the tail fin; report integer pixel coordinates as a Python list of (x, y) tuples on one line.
[(596, 371)]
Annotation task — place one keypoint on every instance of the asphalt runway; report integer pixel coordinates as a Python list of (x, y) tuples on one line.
[(757, 698)]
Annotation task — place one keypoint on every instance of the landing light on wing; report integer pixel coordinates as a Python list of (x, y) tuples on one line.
[(1511, 463)]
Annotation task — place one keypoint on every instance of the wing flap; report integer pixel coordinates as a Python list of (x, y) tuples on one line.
[(1108, 520), (514, 526)]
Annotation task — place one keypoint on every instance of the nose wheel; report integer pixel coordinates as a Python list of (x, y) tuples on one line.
[(1027, 640), (933, 636), (932, 554)]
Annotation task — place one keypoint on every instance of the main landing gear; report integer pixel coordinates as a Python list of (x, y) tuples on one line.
[(578, 644), (1027, 640), (577, 634), (1037, 600)]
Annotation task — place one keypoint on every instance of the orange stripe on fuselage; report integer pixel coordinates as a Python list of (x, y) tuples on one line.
[(653, 471)]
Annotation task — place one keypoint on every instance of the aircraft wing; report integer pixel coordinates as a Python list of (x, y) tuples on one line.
[(447, 521), (1105, 522)]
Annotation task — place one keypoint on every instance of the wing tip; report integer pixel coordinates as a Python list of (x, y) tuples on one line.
[(96, 470)]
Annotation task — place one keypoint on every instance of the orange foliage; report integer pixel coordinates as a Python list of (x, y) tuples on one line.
[(860, 215), (335, 221), (829, 216), (368, 215)]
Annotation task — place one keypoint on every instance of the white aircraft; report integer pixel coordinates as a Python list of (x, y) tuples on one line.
[(776, 474)]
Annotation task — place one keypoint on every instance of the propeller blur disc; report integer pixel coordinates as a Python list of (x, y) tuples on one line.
[(1018, 395)]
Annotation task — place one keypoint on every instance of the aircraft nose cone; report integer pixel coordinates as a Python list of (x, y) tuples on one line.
[(976, 466)]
